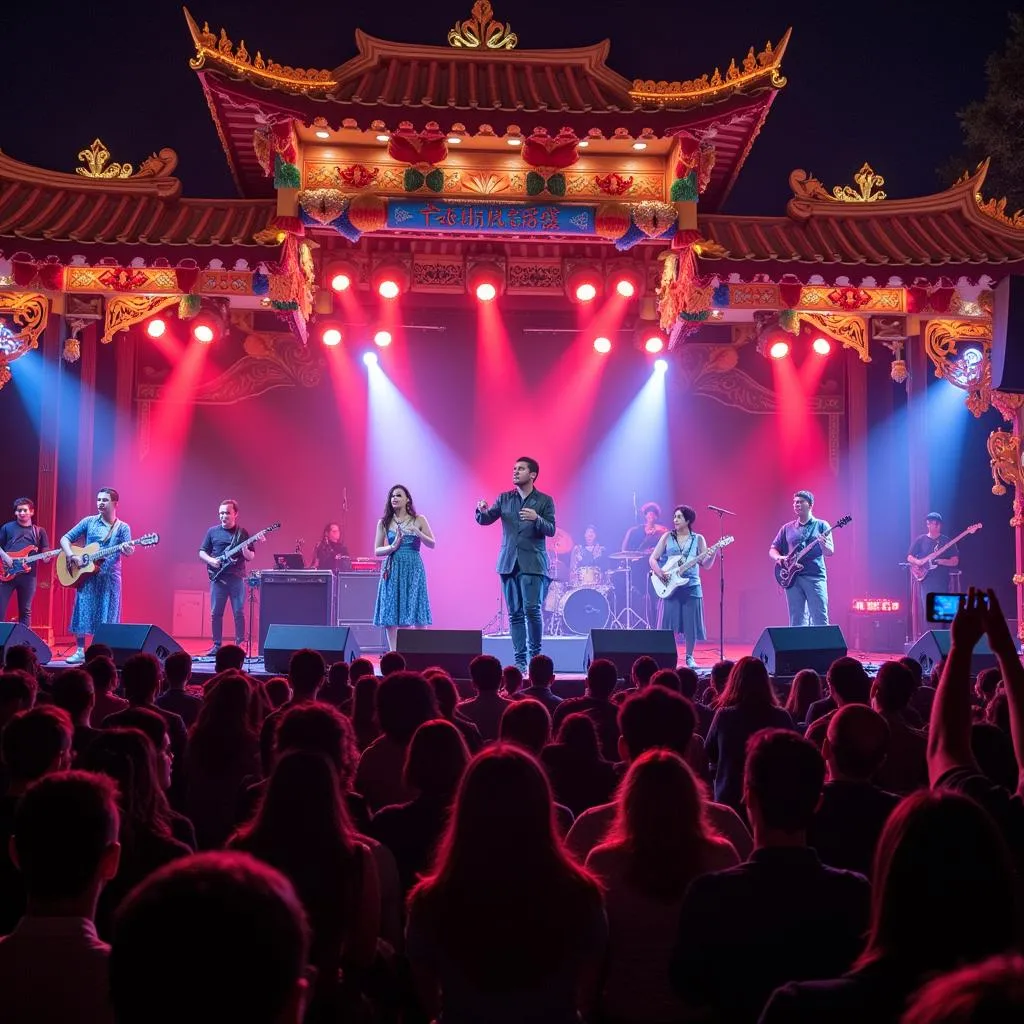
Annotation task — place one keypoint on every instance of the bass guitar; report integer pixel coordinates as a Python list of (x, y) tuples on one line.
[(927, 565), (23, 559), (676, 569), (92, 554), (787, 569), (227, 557)]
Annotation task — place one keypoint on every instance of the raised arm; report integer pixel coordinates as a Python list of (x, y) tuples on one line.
[(1005, 650), (381, 547), (487, 514), (949, 734)]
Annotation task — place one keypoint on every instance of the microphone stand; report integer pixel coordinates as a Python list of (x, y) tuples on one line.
[(721, 513), (253, 581)]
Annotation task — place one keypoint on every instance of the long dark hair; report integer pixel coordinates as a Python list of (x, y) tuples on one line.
[(302, 829), (944, 888), (803, 692), (389, 512), (689, 515), (660, 823), (325, 539), (749, 686), (223, 732), (506, 899)]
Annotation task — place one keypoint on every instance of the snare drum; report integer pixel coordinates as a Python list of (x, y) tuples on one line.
[(589, 576), (584, 609), (553, 596)]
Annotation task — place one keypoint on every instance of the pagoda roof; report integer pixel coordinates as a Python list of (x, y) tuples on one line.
[(389, 82), (144, 209), (955, 227)]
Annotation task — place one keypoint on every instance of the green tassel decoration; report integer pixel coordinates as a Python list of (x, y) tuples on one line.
[(789, 321), (534, 183), (285, 175), (435, 180), (684, 190), (285, 305), (556, 184), (696, 318), (189, 306), (412, 179)]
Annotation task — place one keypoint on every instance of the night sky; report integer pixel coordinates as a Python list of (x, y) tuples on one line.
[(877, 83)]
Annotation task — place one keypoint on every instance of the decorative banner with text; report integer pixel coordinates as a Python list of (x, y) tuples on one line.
[(493, 218)]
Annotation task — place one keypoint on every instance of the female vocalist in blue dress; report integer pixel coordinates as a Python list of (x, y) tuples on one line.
[(683, 610), (402, 592)]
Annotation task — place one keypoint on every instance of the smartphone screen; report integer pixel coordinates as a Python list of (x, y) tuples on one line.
[(943, 607)]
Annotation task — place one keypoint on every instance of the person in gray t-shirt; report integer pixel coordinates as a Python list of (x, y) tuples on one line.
[(807, 596)]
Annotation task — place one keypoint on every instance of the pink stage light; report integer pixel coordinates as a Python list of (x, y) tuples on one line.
[(382, 339), (822, 346), (331, 336), (602, 345), (157, 327), (654, 343), (779, 349)]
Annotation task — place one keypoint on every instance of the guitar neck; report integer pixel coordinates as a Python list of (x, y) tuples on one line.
[(231, 552)]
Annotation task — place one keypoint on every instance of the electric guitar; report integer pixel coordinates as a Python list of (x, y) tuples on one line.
[(927, 564), (23, 559), (676, 567), (788, 568), (92, 554), (227, 557)]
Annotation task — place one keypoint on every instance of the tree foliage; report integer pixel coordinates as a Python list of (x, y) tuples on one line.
[(994, 126)]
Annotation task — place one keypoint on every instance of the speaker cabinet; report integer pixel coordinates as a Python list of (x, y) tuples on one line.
[(14, 634), (300, 598), (785, 650), (335, 643), (128, 638), (450, 649), (357, 595), (933, 646), (624, 646), (1008, 335)]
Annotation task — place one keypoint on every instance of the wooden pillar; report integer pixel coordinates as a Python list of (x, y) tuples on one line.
[(47, 477), (857, 434), (920, 368), (85, 493), (124, 409)]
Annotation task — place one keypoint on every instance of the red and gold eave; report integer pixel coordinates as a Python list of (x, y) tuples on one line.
[(484, 92)]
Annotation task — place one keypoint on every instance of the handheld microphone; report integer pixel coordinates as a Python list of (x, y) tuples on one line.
[(721, 511)]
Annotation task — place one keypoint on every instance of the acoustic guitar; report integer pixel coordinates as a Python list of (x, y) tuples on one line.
[(92, 554)]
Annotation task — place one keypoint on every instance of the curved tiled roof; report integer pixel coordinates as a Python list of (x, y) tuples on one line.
[(50, 206), (945, 229)]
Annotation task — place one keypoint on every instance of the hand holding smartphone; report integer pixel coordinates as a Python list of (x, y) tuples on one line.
[(942, 608)]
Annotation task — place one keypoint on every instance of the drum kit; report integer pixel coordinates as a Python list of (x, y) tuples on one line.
[(584, 599)]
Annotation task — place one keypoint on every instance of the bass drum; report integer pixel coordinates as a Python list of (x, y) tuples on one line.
[(584, 609)]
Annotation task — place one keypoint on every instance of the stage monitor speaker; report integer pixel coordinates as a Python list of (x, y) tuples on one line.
[(568, 653), (128, 638), (785, 650), (14, 634), (300, 598), (624, 646), (450, 649), (335, 643), (933, 646), (1008, 335)]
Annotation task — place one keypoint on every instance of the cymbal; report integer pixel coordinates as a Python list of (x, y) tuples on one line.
[(561, 543), (630, 556)]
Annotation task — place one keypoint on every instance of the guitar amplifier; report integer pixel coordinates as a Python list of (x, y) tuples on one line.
[(302, 597), (356, 596)]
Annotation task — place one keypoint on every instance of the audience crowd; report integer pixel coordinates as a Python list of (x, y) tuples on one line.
[(336, 846)]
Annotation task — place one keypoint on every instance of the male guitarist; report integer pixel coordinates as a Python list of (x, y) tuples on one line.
[(20, 536), (807, 597), (931, 540), (229, 584)]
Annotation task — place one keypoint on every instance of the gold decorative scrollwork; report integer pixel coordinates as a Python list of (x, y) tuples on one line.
[(22, 319), (125, 311), (97, 163), (481, 31), (996, 209), (1004, 459), (849, 330), (942, 341), (867, 181)]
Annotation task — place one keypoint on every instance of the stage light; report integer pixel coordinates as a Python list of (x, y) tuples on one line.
[(157, 327), (341, 275), (821, 345), (639, 145), (582, 144), (383, 138), (602, 345), (321, 134), (584, 283), (514, 141), (390, 280), (382, 339), (654, 343), (207, 327), (486, 281), (661, 365), (454, 140), (370, 358), (779, 349), (330, 335), (627, 281)]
